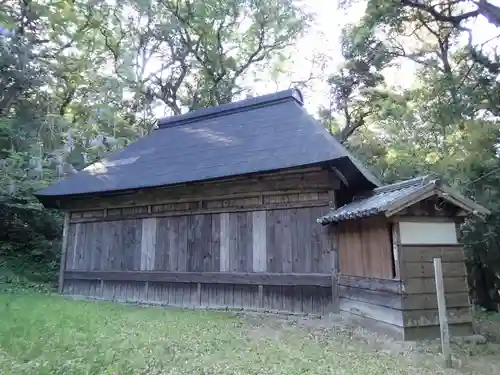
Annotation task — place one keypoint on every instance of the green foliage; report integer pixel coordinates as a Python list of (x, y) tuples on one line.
[(14, 281), (29, 240), (445, 122), (195, 53)]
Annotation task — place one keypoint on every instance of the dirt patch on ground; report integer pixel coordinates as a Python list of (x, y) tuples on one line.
[(469, 356), (488, 328), (334, 326)]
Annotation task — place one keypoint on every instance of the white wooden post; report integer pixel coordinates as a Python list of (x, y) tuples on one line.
[(443, 320)]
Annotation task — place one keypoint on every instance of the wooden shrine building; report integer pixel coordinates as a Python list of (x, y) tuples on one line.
[(254, 205), (387, 239)]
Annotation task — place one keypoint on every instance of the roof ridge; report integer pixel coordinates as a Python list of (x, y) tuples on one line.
[(421, 180), (278, 135), (233, 107)]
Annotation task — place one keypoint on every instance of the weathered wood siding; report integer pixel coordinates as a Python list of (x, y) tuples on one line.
[(417, 274), (395, 307), (295, 299), (374, 303), (365, 248), (199, 245), (298, 187), (388, 285), (277, 241)]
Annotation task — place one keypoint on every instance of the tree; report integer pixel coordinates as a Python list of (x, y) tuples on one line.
[(446, 121), (194, 53), (358, 89)]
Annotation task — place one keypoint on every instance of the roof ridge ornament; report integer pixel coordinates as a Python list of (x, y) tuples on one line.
[(297, 94), (431, 178), (416, 181)]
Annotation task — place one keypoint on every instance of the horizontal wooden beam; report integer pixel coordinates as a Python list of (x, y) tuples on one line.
[(376, 312), (209, 198), (375, 297), (426, 270), (428, 285), (429, 301), (426, 253), (419, 318), (260, 207), (403, 301), (300, 179), (380, 285), (324, 280), (404, 318)]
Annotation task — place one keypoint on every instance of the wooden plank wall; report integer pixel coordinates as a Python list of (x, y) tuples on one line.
[(279, 241), (263, 224), (365, 248), (274, 298), (417, 274), (296, 187), (377, 301), (287, 242), (408, 307)]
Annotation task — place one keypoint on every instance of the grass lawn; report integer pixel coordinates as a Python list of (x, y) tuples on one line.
[(41, 334)]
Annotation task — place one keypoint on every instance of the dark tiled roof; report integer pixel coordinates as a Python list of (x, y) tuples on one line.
[(377, 201), (382, 199), (254, 135)]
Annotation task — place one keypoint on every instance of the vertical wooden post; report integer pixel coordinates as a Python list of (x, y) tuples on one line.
[(148, 243), (198, 293), (225, 233), (335, 284), (443, 320), (331, 198), (333, 233), (64, 245), (259, 250), (261, 296), (146, 290), (395, 249)]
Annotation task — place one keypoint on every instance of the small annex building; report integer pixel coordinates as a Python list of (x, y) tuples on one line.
[(255, 205), (386, 240)]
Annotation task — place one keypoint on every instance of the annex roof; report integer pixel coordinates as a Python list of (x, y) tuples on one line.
[(259, 134), (390, 199)]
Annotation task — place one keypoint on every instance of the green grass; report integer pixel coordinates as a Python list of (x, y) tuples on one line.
[(43, 334), (489, 315)]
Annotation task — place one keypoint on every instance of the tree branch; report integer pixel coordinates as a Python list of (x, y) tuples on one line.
[(489, 11), (440, 16)]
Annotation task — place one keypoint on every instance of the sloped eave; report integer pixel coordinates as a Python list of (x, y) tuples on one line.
[(387, 202)]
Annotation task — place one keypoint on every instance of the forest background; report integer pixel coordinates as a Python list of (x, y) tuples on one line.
[(411, 86)]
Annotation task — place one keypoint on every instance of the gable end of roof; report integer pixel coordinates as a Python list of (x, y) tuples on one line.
[(390, 199)]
